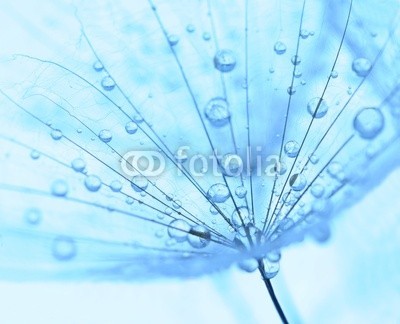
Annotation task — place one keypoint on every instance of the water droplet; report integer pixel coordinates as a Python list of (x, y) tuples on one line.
[(199, 236), (35, 154), (241, 192), (279, 48), (213, 210), (334, 74), (273, 256), (116, 186), (271, 268), (317, 107), (304, 33), (248, 265), (33, 216), (369, 122), (206, 36), (137, 118), (292, 149), (239, 215), (178, 229), (317, 190), (56, 134), (173, 40), (64, 248), (280, 168), (190, 28), (335, 170), (291, 90), (224, 60), (59, 188), (296, 60), (105, 135), (361, 66), (107, 83), (298, 182), (313, 159), (92, 183), (218, 193), (232, 165), (97, 66), (217, 112), (131, 127), (78, 165), (139, 183), (177, 204)]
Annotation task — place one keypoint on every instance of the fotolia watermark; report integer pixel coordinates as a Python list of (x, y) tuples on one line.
[(151, 163)]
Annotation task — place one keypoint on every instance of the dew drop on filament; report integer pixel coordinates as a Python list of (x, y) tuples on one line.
[(224, 60), (369, 122)]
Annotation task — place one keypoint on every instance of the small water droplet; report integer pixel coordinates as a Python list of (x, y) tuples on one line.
[(178, 229), (78, 165), (199, 237), (107, 83), (239, 215), (131, 127), (317, 190), (173, 40), (97, 66), (317, 107), (248, 265), (296, 60), (298, 182), (241, 192), (59, 188), (206, 36), (190, 28), (291, 90), (304, 33), (105, 136), (217, 112), (232, 165), (56, 134), (33, 216), (92, 183), (224, 60), (35, 154), (139, 183), (334, 74), (292, 149), (64, 248), (369, 122), (116, 186), (361, 66), (279, 48), (218, 193)]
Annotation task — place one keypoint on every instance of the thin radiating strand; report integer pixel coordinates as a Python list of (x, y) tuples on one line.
[(216, 44), (105, 164), (287, 109), (183, 74), (336, 119), (315, 113)]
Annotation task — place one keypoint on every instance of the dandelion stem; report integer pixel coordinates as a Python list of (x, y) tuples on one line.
[(271, 292)]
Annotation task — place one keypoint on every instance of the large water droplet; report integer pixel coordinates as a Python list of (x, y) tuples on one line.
[(131, 127), (217, 112), (369, 122), (59, 188), (218, 193), (107, 83), (33, 216), (292, 149), (224, 60), (105, 135), (298, 182), (92, 183), (199, 236), (64, 248), (179, 229), (139, 183), (279, 48), (315, 110), (361, 66)]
